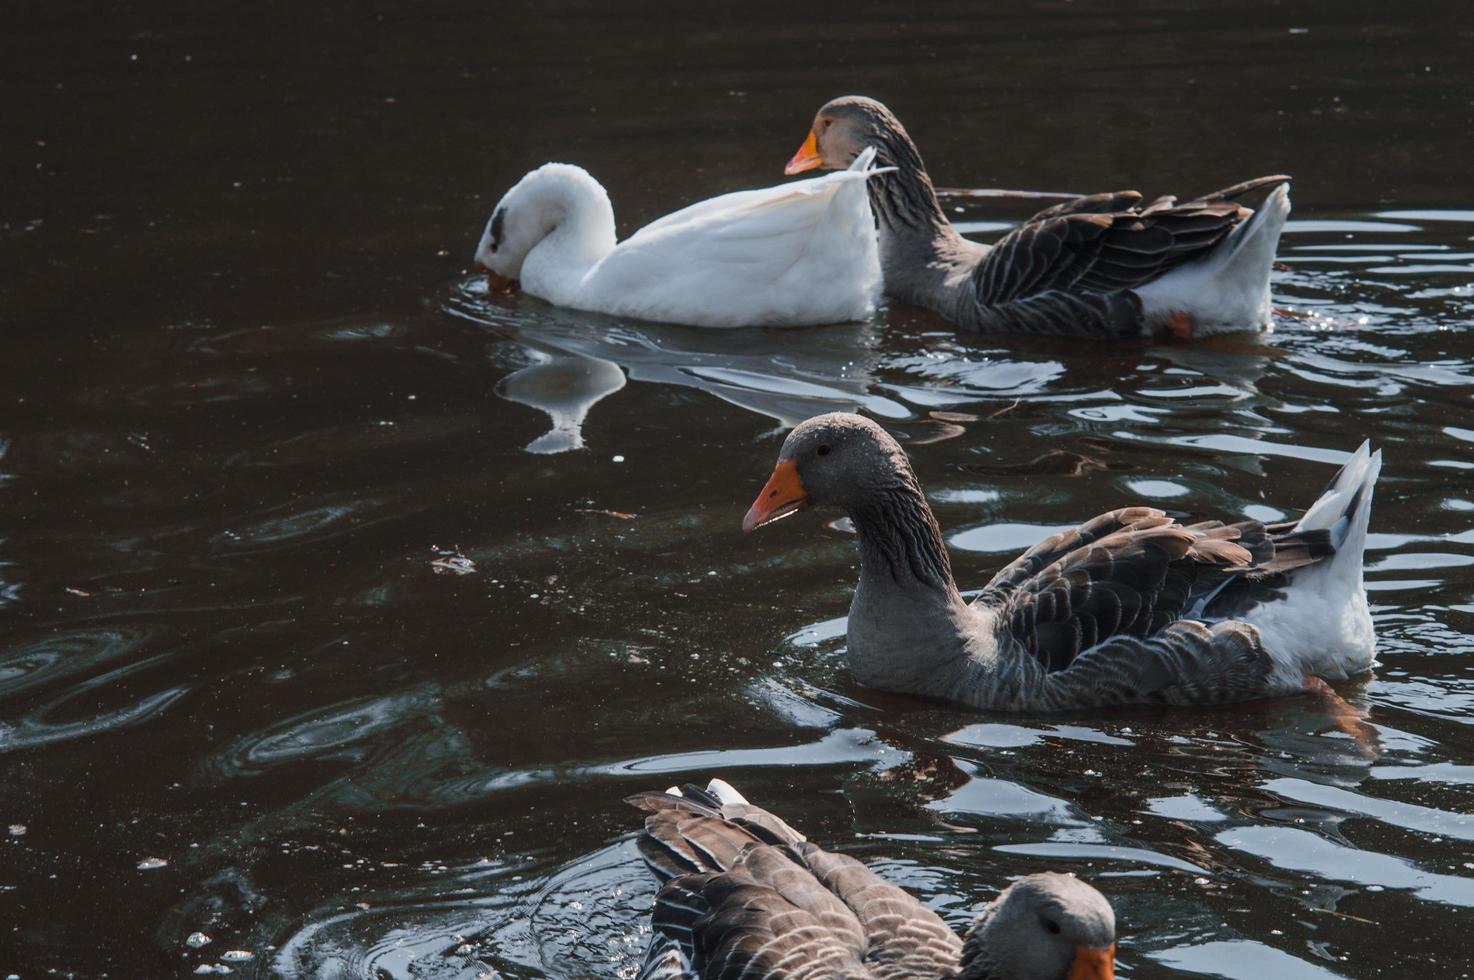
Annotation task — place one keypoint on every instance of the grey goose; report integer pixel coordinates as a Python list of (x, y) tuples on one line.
[(744, 895), (1102, 267), (1131, 607)]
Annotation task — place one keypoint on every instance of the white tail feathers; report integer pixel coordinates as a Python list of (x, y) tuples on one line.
[(863, 159), (723, 791), (1344, 510), (1227, 289), (862, 162), (1345, 506), (1321, 626), (719, 788), (1250, 248)]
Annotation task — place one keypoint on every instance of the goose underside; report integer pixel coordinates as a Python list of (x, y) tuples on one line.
[(1056, 313)]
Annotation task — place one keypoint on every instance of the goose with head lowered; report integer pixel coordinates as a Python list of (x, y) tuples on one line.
[(743, 894), (1101, 267), (1130, 607), (798, 253)]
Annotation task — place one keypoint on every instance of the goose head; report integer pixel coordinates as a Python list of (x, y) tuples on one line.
[(1043, 927), (553, 195), (835, 460), (842, 128)]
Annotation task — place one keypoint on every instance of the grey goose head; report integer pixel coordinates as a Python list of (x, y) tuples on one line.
[(845, 126), (834, 460), (1043, 927)]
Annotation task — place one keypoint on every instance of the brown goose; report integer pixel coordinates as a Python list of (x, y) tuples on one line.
[(745, 895), (1102, 267), (1130, 607)]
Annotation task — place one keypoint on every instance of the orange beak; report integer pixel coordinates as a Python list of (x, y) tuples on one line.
[(807, 157), (782, 495), (1093, 964), (496, 283)]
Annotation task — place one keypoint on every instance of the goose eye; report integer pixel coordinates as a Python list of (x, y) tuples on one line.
[(823, 450), (1051, 927)]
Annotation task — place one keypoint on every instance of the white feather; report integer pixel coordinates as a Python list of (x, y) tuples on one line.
[(1323, 627), (797, 253), (1228, 289), (723, 791)]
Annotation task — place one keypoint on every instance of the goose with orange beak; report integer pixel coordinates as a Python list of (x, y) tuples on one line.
[(1130, 607), (744, 894), (1101, 267)]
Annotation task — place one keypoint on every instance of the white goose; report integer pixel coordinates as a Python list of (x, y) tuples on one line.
[(798, 253)]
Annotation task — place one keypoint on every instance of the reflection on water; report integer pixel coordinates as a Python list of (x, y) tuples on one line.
[(248, 421), (565, 386), (427, 768), (588, 355)]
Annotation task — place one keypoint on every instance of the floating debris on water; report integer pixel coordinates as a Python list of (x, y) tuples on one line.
[(456, 564), (17, 830), (196, 940), (236, 955), (149, 864)]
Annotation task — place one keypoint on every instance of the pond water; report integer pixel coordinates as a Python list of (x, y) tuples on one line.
[(341, 605)]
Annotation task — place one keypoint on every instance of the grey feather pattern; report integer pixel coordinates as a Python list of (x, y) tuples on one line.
[(744, 895), (1131, 591), (1092, 616), (1067, 271)]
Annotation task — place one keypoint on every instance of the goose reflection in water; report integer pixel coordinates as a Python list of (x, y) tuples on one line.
[(565, 387), (576, 360)]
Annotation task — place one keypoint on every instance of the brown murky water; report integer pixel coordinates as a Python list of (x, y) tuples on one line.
[(254, 409)]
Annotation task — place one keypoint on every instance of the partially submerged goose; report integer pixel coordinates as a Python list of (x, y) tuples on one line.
[(797, 253), (745, 895), (1128, 608), (1101, 267)]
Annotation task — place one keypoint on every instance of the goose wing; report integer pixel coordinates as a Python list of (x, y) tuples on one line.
[(1132, 572), (746, 895), (753, 237), (1107, 242)]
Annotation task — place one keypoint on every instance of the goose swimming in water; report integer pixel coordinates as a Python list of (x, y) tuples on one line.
[(745, 895), (1130, 607), (797, 253), (1102, 267)]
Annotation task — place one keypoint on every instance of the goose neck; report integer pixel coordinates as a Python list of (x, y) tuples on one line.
[(908, 627), (900, 541), (580, 223), (904, 200)]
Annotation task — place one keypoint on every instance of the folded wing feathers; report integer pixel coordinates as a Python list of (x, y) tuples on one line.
[(744, 895), (1056, 546), (1108, 242), (664, 960), (1131, 582), (1239, 190), (1184, 664), (901, 931), (1105, 203)]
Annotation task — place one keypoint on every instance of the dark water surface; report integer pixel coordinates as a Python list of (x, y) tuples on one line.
[(255, 415)]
